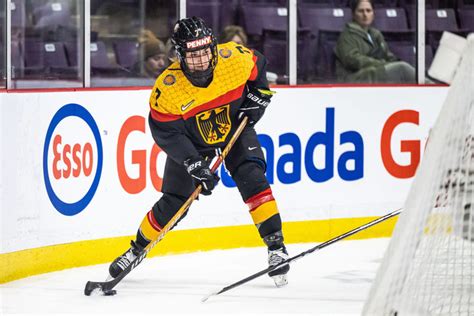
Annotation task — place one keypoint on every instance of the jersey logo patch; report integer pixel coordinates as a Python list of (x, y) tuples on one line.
[(186, 106), (169, 80), (225, 53), (214, 125)]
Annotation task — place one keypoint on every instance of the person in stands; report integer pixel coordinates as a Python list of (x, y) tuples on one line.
[(363, 56)]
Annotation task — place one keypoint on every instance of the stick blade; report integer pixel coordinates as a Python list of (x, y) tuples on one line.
[(90, 286), (96, 288)]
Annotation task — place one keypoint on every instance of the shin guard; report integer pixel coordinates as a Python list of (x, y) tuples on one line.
[(158, 217), (264, 212)]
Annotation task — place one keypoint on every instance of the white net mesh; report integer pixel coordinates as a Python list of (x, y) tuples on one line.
[(428, 268)]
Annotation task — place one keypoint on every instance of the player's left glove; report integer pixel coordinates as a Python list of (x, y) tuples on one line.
[(255, 104)]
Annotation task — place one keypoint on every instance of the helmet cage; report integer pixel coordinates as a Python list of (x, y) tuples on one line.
[(192, 35)]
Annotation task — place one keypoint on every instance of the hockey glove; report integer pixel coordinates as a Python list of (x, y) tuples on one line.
[(255, 103), (198, 169)]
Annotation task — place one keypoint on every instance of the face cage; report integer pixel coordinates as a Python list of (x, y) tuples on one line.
[(197, 74)]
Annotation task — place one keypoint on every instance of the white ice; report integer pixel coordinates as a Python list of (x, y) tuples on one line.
[(333, 281)]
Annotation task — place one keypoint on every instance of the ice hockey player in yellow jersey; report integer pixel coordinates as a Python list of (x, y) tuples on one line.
[(195, 107)]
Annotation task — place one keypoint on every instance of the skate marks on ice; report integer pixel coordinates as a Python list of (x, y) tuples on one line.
[(335, 280)]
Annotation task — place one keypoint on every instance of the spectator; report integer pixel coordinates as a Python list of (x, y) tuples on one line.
[(233, 33), (155, 56), (362, 53), (236, 33)]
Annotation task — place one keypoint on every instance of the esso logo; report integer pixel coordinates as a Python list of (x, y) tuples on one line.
[(72, 159)]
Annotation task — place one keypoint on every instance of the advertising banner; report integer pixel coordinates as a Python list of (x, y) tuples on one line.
[(83, 165)]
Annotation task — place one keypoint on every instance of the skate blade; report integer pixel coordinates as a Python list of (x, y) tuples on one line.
[(280, 280)]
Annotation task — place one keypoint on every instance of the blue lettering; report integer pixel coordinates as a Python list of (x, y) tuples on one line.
[(294, 158), (226, 178), (325, 139), (357, 155), (267, 144)]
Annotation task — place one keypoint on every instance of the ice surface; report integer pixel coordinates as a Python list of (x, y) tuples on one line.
[(332, 281)]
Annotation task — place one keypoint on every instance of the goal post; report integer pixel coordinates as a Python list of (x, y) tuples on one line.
[(428, 268)]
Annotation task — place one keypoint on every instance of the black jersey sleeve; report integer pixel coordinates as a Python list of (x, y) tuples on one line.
[(171, 137), (260, 81)]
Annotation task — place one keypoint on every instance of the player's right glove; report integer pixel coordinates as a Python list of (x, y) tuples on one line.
[(255, 104), (198, 169)]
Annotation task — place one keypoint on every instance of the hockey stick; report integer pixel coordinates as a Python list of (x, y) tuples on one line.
[(107, 286), (304, 253)]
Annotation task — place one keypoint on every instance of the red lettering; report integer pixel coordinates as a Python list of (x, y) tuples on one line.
[(79, 162), (131, 185), (87, 159), (410, 146), (57, 157), (156, 180), (76, 150), (67, 161)]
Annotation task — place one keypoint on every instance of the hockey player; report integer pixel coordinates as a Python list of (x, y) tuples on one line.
[(195, 107)]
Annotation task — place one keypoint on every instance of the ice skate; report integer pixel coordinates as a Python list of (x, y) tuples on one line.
[(122, 262), (275, 257), (276, 254)]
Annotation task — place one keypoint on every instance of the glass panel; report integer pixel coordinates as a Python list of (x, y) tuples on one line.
[(3, 45), (372, 43), (3, 48), (46, 43), (260, 24), (446, 15), (130, 42)]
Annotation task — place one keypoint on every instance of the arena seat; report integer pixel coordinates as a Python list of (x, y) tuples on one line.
[(391, 20), (466, 19), (256, 18), (407, 52), (18, 14), (323, 3), (52, 13), (43, 58), (465, 4), (210, 11), (329, 19), (275, 48), (100, 63), (126, 53), (438, 21)]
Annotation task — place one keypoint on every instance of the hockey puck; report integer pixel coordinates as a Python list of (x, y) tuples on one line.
[(110, 293)]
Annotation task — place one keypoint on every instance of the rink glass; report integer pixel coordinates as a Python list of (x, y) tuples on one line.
[(3, 46), (48, 41)]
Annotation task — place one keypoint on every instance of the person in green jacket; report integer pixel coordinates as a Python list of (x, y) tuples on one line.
[(362, 55)]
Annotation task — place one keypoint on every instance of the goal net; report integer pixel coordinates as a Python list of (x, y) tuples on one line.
[(428, 268)]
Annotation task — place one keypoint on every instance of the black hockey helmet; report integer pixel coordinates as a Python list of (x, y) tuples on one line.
[(192, 34)]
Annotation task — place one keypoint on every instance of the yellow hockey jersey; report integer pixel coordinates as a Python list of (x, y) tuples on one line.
[(187, 120)]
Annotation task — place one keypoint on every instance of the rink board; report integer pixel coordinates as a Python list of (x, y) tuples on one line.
[(80, 169)]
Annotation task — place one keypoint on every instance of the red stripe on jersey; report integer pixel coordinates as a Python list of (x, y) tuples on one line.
[(254, 73), (163, 117), (226, 98), (260, 198), (153, 221)]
